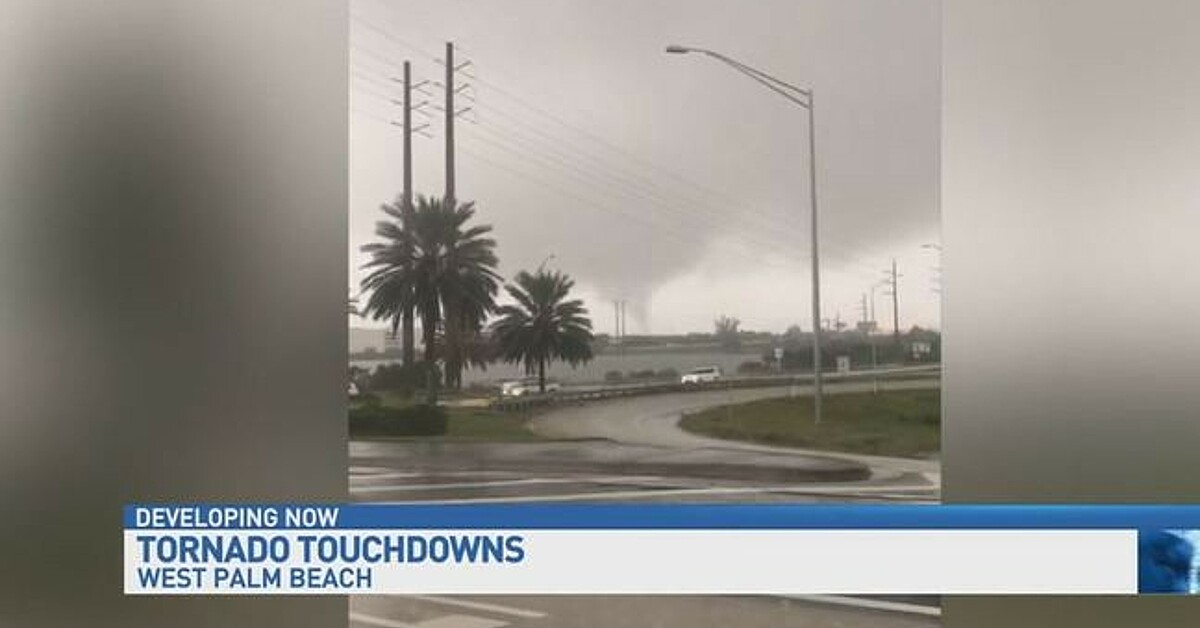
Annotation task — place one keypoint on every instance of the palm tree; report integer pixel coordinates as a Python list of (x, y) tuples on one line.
[(472, 348), (543, 326), (430, 260), (395, 253)]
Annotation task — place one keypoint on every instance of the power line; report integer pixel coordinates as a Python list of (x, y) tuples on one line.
[(649, 189), (645, 185), (704, 191), (682, 237), (580, 175), (588, 202), (560, 166), (848, 259)]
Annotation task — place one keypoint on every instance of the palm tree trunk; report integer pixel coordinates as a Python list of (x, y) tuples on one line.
[(542, 375), (406, 337), (429, 329), (453, 349)]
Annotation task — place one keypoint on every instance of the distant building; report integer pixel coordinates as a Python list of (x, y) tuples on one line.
[(379, 341), (391, 342), (361, 340)]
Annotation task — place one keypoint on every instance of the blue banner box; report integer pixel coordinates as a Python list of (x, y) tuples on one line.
[(1102, 549)]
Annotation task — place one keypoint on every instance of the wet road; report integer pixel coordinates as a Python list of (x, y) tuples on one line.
[(619, 612), (383, 483), (653, 420), (421, 473)]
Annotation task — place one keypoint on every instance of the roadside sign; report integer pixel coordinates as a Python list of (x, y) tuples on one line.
[(843, 364)]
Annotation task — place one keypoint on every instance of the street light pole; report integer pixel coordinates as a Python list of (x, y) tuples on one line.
[(816, 272), (804, 98)]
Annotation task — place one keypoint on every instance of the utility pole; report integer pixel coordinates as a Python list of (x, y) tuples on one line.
[(409, 328), (873, 286), (451, 113), (869, 328), (407, 332), (616, 322), (895, 294), (450, 191), (450, 198), (624, 329)]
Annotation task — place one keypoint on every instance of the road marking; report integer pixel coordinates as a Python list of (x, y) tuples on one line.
[(890, 491), (434, 487), (371, 620), (882, 489), (383, 475), (445, 621), (880, 605), (481, 606), (369, 471), (579, 496), (463, 621), (390, 473)]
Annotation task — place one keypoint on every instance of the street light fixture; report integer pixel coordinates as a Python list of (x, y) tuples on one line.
[(804, 98)]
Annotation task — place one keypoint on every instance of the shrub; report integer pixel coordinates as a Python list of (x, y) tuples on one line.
[(614, 376), (377, 420), (368, 399), (668, 373), (398, 377), (642, 374)]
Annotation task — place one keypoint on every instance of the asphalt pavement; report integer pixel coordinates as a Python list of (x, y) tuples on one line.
[(653, 421), (631, 450), (572, 611)]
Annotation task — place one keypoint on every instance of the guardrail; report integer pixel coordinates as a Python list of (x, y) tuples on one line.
[(527, 402)]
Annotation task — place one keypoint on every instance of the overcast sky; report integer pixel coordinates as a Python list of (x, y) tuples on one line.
[(670, 181)]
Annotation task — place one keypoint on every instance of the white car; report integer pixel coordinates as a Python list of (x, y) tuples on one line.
[(702, 375), (527, 386)]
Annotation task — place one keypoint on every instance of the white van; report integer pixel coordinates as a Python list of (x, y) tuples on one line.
[(701, 375)]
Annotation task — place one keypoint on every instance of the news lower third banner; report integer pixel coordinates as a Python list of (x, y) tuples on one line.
[(660, 549)]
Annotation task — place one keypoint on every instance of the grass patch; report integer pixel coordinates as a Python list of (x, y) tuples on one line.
[(482, 424), (902, 423)]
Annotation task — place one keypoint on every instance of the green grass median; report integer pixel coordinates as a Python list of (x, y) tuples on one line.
[(902, 423), (483, 424)]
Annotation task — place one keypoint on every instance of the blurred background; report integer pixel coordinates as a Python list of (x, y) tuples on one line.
[(172, 265)]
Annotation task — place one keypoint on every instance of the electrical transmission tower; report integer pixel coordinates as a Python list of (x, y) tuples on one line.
[(407, 319), (894, 292), (451, 112)]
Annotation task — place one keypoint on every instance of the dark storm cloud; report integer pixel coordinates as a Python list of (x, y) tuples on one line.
[(632, 166)]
